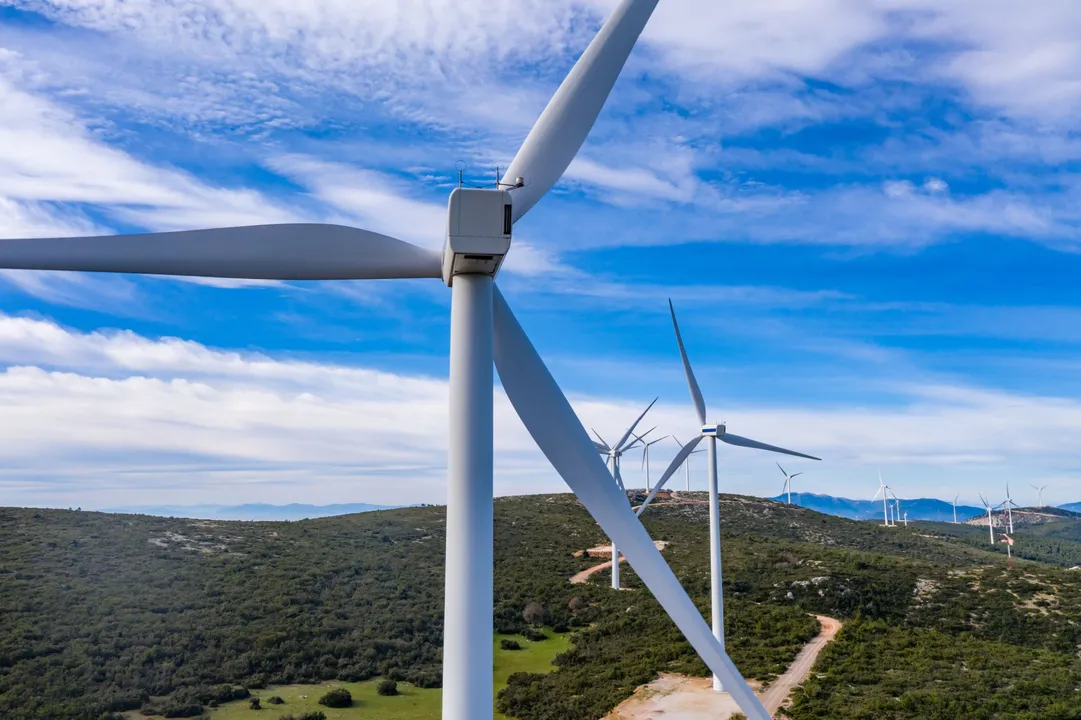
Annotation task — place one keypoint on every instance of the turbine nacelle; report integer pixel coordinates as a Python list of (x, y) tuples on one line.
[(478, 232), (713, 430)]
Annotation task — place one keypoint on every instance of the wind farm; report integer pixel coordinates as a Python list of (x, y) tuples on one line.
[(345, 351)]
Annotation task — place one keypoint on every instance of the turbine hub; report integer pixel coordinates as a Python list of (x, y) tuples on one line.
[(478, 232)]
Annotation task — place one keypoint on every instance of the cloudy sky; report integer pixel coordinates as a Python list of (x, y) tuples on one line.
[(867, 212)]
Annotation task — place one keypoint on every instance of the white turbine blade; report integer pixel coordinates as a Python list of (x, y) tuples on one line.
[(657, 440), (696, 394), (880, 489), (630, 430), (796, 475), (606, 447), (274, 252), (782, 469), (676, 464), (561, 129), (747, 442), (600, 447), (548, 416)]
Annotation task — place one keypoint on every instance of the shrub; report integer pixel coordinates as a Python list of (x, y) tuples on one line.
[(275, 700), (254, 704), (560, 628), (534, 635), (337, 698), (577, 604), (316, 715), (534, 614), (508, 644), (387, 687)]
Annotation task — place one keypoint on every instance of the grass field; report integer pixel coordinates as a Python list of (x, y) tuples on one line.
[(410, 704)]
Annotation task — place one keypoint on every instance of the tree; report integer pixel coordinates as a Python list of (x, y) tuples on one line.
[(254, 704), (387, 688), (534, 614), (337, 698), (508, 644)]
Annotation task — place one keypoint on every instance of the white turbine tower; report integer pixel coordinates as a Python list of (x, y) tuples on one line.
[(687, 462), (955, 508), (990, 518), (1039, 489), (713, 433), (482, 327), (645, 454), (788, 482), (615, 456), (1009, 505)]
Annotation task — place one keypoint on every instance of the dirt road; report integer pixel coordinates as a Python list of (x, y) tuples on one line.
[(676, 697), (584, 576), (797, 672)]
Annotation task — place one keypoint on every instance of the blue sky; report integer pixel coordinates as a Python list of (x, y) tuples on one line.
[(865, 212)]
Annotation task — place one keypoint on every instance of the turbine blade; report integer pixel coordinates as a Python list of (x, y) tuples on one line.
[(696, 394), (747, 442), (606, 448), (561, 129), (273, 252), (877, 494), (676, 464), (548, 416), (781, 469), (796, 475), (630, 430), (600, 447)]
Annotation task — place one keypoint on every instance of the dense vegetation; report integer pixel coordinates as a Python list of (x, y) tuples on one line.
[(105, 613)]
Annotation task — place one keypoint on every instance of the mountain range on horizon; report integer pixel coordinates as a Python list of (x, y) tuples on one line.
[(926, 509), (250, 511)]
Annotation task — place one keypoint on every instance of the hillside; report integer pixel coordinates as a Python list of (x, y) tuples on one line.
[(104, 613), (249, 511)]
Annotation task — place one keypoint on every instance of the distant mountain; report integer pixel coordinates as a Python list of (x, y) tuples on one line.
[(1072, 507), (917, 509), (250, 511)]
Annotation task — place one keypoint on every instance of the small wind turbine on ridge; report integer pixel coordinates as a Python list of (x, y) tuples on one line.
[(788, 482), (645, 453), (884, 491), (1040, 489), (687, 462), (990, 518)]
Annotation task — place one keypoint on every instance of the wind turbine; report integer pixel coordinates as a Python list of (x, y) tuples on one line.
[(645, 454), (788, 482), (687, 461), (990, 518), (615, 454), (482, 328), (883, 490), (1009, 504), (955, 508), (1040, 489), (713, 433)]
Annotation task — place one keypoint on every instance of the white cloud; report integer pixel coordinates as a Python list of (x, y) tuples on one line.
[(112, 418)]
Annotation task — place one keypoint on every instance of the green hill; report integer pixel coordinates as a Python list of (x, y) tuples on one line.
[(114, 613)]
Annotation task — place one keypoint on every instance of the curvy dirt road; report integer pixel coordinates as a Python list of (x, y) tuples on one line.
[(677, 697), (779, 690), (579, 578)]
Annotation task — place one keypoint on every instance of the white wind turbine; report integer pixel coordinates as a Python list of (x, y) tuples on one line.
[(687, 462), (955, 508), (788, 482), (713, 433), (614, 455), (483, 328), (1008, 504), (990, 518), (1039, 489), (645, 454), (883, 490)]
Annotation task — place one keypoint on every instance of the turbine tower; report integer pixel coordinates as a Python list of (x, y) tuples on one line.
[(615, 455), (1009, 505), (1039, 489), (687, 461), (788, 482), (713, 433), (955, 508), (482, 329)]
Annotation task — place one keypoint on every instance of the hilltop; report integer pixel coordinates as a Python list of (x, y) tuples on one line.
[(106, 613), (250, 511)]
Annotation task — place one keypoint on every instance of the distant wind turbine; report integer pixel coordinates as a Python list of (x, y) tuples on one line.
[(788, 482), (955, 508), (1040, 491), (713, 432), (687, 462), (990, 518), (883, 490), (615, 454), (645, 453), (1009, 505)]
